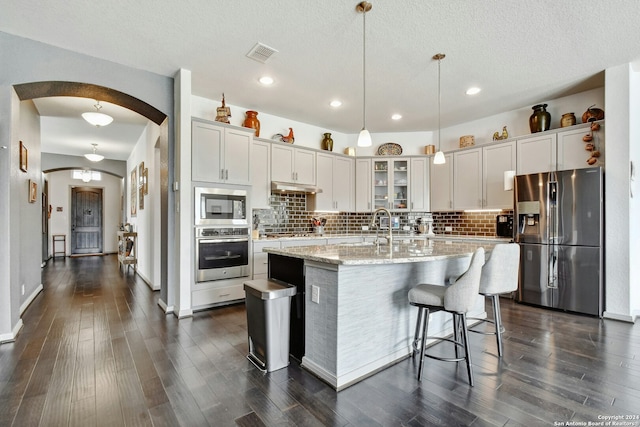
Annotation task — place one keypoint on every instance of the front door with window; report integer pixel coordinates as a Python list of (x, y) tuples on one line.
[(86, 220)]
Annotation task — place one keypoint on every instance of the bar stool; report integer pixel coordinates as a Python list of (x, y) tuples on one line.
[(457, 299), (499, 276)]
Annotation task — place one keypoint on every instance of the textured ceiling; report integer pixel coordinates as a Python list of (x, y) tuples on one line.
[(518, 52)]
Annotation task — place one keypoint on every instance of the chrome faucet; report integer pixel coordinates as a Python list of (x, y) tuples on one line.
[(373, 223)]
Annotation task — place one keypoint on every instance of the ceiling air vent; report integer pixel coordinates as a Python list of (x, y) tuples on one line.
[(261, 52)]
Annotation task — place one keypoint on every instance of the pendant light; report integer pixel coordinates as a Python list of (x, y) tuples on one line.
[(93, 156), (364, 139), (439, 159), (96, 118)]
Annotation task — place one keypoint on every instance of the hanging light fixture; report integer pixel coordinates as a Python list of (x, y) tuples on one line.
[(364, 139), (93, 156), (86, 176), (439, 159), (96, 118)]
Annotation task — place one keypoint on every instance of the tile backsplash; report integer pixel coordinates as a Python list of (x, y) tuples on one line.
[(289, 214)]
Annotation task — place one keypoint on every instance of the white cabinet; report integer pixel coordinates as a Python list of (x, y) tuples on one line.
[(335, 178), (496, 159), (419, 184), (467, 179), (571, 153), (220, 153), (441, 185), (391, 184), (364, 185), (261, 259), (290, 164), (536, 154), (260, 174)]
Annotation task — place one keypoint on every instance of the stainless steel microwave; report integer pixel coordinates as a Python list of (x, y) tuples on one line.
[(220, 206)]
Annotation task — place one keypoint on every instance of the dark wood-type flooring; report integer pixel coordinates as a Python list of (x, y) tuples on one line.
[(96, 349)]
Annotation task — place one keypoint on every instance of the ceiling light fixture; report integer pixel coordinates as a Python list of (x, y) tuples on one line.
[(93, 156), (364, 139), (439, 159), (335, 103), (266, 80), (96, 118), (396, 117), (473, 91)]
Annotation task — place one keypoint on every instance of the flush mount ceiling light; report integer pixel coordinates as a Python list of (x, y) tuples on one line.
[(396, 117), (96, 118), (473, 91), (266, 80), (439, 159), (335, 103), (93, 156), (364, 139)]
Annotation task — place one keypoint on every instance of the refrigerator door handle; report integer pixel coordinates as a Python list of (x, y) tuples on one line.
[(552, 211), (553, 267)]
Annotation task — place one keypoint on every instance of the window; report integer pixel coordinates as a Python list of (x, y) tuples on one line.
[(86, 175)]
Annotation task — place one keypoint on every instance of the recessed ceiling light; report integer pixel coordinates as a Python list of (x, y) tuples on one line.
[(396, 117), (335, 103), (266, 80), (473, 90)]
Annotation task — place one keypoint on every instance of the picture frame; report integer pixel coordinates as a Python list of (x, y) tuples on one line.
[(141, 174), (145, 181), (134, 192), (24, 157), (141, 198), (33, 191)]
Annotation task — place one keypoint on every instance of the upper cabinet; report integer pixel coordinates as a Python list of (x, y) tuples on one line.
[(496, 160), (441, 183), (467, 179), (391, 184), (291, 164), (572, 152), (536, 154), (220, 153), (260, 174), (364, 185), (335, 177), (419, 184)]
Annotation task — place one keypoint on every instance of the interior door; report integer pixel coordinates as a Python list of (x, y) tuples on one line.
[(86, 220)]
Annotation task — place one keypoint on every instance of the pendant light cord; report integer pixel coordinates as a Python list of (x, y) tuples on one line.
[(439, 101), (364, 68)]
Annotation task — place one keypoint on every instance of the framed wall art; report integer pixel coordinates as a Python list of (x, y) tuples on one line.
[(145, 181), (141, 198), (134, 192), (141, 174), (24, 157), (33, 191)]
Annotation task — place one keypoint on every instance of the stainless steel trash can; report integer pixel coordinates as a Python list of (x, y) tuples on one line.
[(268, 304)]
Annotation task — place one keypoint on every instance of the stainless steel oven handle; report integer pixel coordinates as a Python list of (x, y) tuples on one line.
[(243, 239)]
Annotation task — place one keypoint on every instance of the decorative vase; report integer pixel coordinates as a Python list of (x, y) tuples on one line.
[(568, 119), (327, 142), (251, 121), (540, 120)]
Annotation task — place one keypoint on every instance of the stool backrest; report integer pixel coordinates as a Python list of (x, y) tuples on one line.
[(462, 295), (500, 272)]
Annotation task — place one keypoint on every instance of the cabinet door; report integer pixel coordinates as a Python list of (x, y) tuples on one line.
[(536, 154), (237, 156), (419, 184), (441, 185), (381, 183), (467, 179), (496, 159), (281, 163), (304, 166), (260, 174), (364, 185), (343, 185), (400, 188), (571, 148), (206, 145), (324, 201)]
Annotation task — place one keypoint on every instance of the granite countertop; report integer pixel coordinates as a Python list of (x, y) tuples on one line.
[(416, 250)]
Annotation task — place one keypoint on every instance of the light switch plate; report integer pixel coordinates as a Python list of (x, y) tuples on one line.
[(315, 294)]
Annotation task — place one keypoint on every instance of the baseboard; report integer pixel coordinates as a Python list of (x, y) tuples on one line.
[(30, 299), (14, 333), (183, 313), (147, 281), (166, 308), (620, 317)]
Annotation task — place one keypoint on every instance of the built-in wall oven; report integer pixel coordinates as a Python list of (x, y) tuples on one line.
[(222, 253)]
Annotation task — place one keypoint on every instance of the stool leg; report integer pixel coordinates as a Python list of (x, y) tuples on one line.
[(497, 318), (416, 337), (425, 327), (465, 337), (456, 334)]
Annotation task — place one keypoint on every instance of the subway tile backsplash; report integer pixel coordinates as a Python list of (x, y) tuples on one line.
[(289, 214)]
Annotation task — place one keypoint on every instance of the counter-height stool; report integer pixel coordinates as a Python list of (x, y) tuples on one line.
[(457, 299), (499, 276)]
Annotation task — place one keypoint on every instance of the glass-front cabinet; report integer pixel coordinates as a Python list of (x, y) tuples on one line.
[(391, 184)]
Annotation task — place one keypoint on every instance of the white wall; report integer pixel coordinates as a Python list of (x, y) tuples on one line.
[(60, 185), (634, 203), (148, 241)]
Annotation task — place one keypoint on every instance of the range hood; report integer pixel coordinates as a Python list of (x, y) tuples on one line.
[(289, 187)]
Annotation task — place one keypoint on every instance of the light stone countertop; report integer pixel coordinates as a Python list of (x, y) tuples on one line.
[(417, 250)]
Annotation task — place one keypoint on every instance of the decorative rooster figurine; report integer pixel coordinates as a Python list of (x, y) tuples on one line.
[(288, 139), (505, 134)]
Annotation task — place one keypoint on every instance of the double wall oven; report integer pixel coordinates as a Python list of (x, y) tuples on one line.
[(221, 234)]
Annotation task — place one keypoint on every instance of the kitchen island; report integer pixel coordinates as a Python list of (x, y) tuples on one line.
[(357, 319)]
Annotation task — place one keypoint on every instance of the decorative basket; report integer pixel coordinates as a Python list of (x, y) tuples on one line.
[(467, 141)]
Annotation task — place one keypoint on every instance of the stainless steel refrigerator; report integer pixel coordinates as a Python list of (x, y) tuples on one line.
[(560, 231)]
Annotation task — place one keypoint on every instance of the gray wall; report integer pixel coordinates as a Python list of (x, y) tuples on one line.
[(60, 161), (26, 61)]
